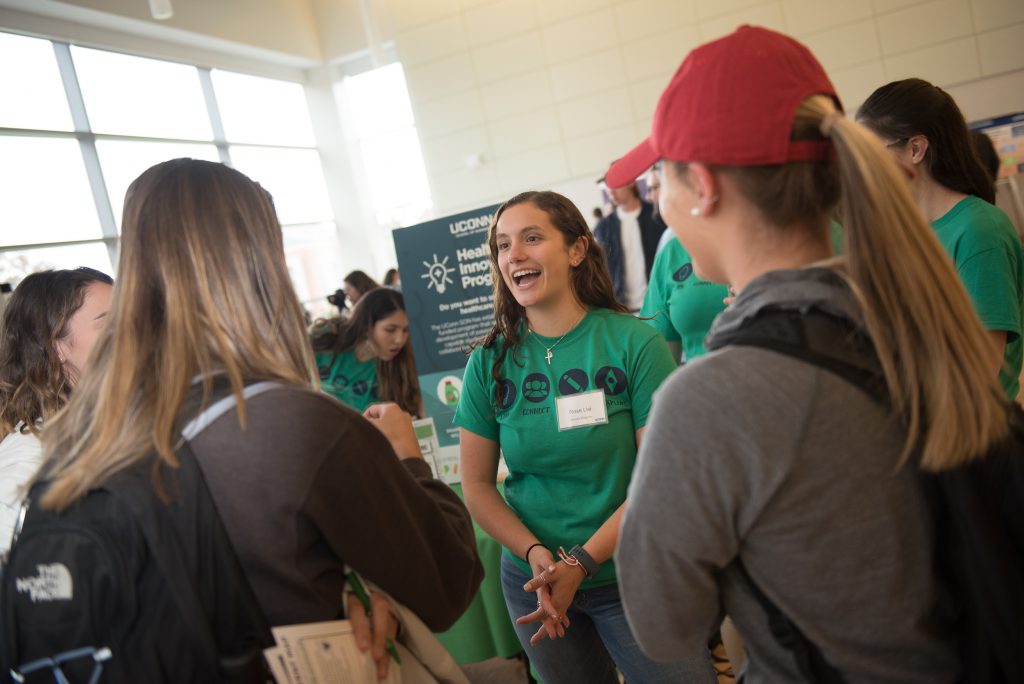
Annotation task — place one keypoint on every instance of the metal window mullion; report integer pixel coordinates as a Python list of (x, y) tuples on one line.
[(87, 145), (213, 111)]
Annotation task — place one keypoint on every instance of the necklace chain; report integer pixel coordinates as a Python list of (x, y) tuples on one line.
[(548, 349)]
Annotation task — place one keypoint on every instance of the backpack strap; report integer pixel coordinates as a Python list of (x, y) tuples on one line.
[(178, 578), (837, 345)]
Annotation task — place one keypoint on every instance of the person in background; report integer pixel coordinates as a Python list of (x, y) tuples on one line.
[(306, 487), (48, 330), (757, 459), (561, 385), (393, 279), (922, 127), (356, 284), (365, 358), (986, 152), (629, 236)]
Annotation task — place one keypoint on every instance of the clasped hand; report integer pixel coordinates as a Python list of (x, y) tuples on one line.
[(555, 584)]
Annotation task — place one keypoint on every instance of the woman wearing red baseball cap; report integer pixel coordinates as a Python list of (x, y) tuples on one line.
[(760, 461)]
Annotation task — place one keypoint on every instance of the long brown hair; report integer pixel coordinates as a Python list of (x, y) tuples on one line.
[(397, 378), (202, 290), (935, 353), (590, 282), (910, 107), (34, 384)]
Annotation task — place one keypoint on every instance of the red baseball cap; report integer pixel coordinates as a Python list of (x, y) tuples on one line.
[(732, 102)]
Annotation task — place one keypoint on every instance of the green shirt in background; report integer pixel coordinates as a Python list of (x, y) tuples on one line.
[(349, 380), (680, 304), (987, 254), (564, 485)]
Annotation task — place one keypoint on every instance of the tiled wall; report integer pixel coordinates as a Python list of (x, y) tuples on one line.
[(549, 91)]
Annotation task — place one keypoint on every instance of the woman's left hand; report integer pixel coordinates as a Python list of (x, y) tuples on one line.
[(556, 586)]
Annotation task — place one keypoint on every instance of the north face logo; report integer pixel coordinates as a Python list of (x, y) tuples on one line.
[(53, 583)]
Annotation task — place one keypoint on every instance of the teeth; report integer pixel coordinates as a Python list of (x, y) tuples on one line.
[(520, 274)]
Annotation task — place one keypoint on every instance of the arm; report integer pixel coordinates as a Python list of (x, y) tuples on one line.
[(999, 339), (395, 524)]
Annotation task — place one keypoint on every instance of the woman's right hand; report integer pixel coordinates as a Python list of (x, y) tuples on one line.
[(396, 425)]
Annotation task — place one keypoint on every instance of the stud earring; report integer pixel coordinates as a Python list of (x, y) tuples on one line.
[(695, 212)]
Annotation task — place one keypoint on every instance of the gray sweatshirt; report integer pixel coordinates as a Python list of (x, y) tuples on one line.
[(754, 454)]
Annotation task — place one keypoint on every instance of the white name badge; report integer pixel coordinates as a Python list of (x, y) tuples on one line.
[(580, 410)]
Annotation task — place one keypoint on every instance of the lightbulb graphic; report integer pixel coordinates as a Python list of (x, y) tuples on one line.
[(437, 273)]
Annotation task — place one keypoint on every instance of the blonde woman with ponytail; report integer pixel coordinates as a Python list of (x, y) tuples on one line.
[(758, 457)]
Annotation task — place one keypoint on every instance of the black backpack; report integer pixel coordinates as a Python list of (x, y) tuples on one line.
[(978, 509), (123, 587)]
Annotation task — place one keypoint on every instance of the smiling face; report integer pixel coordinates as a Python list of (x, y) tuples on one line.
[(534, 261), (390, 335)]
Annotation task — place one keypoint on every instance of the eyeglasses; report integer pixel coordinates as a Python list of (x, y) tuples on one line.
[(896, 143)]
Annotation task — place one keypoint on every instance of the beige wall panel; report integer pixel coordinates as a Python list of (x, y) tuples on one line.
[(854, 84), (645, 96), (595, 113), (953, 62), (445, 76), (923, 25), (658, 55), (504, 58), (708, 9), (590, 74), (551, 11), (994, 14), (339, 26), (1002, 50), (884, 6), (992, 96), (448, 153), (432, 41), (583, 35), (402, 15), (533, 170), (769, 16), (845, 46), (641, 18), (514, 95), (592, 154), (448, 114), (525, 131), (503, 19), (808, 16), (464, 189)]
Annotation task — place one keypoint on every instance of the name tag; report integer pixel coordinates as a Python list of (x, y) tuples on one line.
[(580, 410)]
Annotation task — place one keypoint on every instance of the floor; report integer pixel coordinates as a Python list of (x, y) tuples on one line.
[(497, 671)]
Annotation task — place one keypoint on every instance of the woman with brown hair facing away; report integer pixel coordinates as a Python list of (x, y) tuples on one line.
[(562, 385), (364, 358), (305, 487), (922, 127), (48, 330), (758, 457)]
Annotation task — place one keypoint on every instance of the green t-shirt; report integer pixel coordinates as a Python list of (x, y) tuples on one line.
[(349, 380), (564, 485), (680, 304), (987, 254)]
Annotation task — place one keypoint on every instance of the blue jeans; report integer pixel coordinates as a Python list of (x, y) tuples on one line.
[(598, 641)]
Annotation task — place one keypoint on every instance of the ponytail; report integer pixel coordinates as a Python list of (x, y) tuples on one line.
[(936, 356)]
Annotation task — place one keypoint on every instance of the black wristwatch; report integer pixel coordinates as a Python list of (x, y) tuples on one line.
[(590, 566)]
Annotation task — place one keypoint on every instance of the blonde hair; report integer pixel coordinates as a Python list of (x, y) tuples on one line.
[(202, 289), (936, 355)]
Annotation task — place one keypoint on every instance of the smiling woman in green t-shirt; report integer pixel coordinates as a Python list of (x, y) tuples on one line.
[(365, 358), (562, 385)]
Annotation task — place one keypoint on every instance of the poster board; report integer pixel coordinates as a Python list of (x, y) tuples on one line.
[(446, 282)]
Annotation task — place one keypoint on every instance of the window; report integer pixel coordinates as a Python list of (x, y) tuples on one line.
[(382, 121), (133, 112)]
